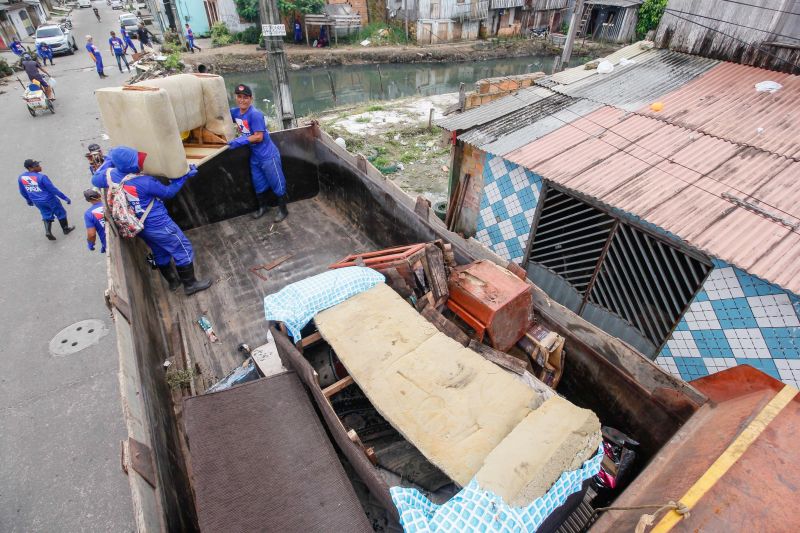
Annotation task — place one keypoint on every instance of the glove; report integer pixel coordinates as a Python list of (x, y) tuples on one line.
[(68, 201), (102, 249), (239, 141), (90, 246), (192, 172)]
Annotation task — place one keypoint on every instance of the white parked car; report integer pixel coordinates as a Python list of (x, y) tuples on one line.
[(130, 22), (116, 4), (60, 41), (84, 3)]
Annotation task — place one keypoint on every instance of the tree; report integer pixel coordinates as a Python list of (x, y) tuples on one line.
[(650, 14), (247, 9), (287, 7)]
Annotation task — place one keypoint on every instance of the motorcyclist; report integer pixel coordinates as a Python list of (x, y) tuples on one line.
[(33, 69), (96, 13)]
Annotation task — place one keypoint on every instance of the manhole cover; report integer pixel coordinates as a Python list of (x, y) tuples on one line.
[(78, 336)]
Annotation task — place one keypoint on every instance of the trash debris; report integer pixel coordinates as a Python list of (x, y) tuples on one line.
[(241, 374), (167, 363), (365, 42), (445, 168), (657, 106), (759, 131), (605, 67), (625, 61), (591, 65), (341, 142), (152, 65), (768, 86), (205, 325), (268, 266), (400, 166)]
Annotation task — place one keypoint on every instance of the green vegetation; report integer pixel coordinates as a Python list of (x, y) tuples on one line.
[(650, 14), (5, 69), (375, 108), (247, 9), (220, 34), (178, 379), (290, 7), (251, 35), (363, 120), (173, 53)]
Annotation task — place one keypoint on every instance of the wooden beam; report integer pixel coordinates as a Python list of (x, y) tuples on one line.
[(337, 387), (445, 326), (509, 362), (311, 339)]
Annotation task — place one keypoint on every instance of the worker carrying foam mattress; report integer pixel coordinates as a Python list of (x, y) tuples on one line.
[(265, 160), (145, 195)]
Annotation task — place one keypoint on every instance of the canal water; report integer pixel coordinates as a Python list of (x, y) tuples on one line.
[(313, 89)]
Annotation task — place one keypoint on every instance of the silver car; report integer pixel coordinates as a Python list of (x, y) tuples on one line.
[(60, 41), (130, 22)]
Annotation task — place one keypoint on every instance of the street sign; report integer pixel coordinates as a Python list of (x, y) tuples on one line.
[(273, 30)]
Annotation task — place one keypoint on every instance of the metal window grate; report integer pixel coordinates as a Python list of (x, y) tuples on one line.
[(569, 238), (628, 272), (647, 282)]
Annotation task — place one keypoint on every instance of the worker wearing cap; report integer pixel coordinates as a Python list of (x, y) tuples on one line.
[(265, 160), (160, 232), (96, 158), (37, 189), (94, 52), (95, 220)]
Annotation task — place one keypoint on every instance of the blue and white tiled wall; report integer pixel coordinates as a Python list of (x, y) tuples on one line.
[(736, 319), (510, 195)]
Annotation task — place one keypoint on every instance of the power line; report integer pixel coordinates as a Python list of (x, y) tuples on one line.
[(795, 65), (671, 11), (761, 7)]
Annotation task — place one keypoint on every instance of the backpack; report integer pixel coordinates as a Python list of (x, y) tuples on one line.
[(120, 209)]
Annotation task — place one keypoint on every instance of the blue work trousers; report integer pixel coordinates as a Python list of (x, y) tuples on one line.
[(99, 63), (168, 242), (267, 174), (51, 209), (129, 42), (122, 57)]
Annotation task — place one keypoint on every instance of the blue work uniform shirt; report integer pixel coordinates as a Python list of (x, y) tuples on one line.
[(94, 218), (117, 45), (37, 188), (247, 124)]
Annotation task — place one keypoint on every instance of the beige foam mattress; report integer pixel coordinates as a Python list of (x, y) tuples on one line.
[(451, 403)]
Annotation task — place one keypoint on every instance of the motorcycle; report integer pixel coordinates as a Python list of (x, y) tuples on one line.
[(65, 22), (36, 99)]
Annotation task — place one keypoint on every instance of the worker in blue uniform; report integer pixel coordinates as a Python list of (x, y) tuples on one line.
[(126, 39), (117, 47), (190, 40), (298, 31), (45, 52), (160, 232), (94, 53), (94, 220), (37, 189), (265, 160), (16, 47)]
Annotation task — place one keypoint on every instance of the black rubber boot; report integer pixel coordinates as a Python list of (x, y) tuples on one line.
[(283, 212), (48, 230), (262, 206), (171, 276), (65, 227), (191, 285)]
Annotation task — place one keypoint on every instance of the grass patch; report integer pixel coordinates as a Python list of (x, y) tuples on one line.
[(375, 108), (363, 120)]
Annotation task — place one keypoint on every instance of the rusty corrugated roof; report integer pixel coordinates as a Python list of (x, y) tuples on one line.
[(724, 102), (678, 179)]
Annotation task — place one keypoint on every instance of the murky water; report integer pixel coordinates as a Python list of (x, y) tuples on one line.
[(312, 88)]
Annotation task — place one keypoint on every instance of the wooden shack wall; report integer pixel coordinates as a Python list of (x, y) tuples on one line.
[(749, 42)]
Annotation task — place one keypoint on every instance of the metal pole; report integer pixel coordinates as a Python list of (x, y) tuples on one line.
[(276, 66), (577, 12)]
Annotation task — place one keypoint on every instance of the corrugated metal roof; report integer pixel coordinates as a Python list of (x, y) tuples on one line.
[(575, 74), (488, 133), (493, 110), (511, 141), (618, 3), (675, 178), (723, 102), (630, 87)]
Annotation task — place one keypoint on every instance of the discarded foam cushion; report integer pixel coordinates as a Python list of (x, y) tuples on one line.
[(451, 403)]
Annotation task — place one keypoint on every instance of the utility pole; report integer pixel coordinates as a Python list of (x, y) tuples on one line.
[(276, 62), (574, 20), (405, 14)]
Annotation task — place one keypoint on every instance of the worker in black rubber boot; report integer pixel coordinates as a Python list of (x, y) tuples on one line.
[(37, 189)]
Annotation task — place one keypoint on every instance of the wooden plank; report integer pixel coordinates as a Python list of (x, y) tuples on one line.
[(273, 264), (436, 274), (445, 326), (502, 359), (422, 207), (311, 339), (337, 387)]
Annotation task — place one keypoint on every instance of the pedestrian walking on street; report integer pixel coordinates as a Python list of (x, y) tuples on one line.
[(190, 40), (96, 13), (265, 160), (146, 197), (94, 52), (37, 189), (117, 47), (16, 47), (144, 38), (34, 71), (95, 220), (126, 39), (45, 52)]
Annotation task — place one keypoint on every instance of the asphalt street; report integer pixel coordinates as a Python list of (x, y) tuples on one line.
[(60, 416)]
